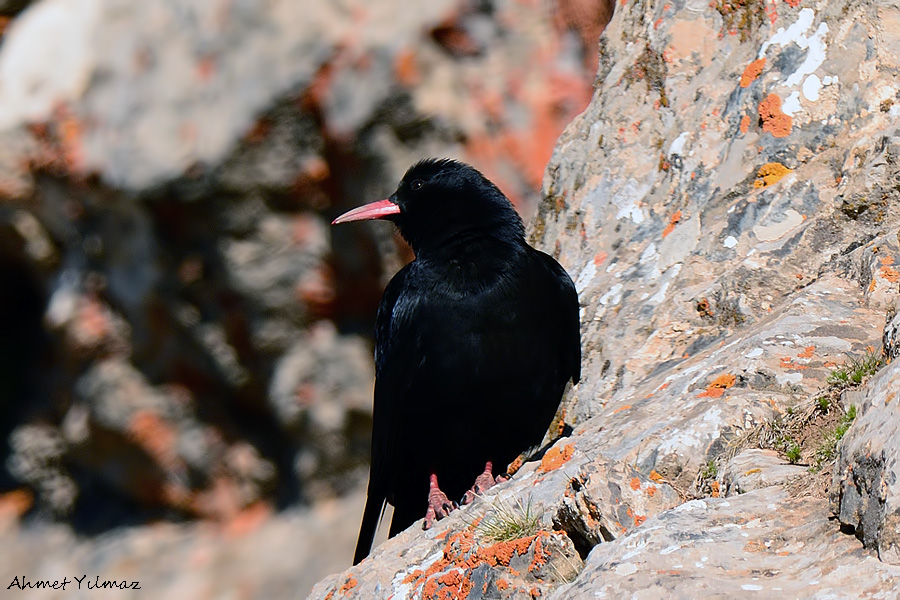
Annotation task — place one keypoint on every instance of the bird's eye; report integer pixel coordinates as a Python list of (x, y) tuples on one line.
[(416, 184)]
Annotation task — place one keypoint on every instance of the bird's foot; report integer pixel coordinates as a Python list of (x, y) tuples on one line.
[(439, 505), (483, 482)]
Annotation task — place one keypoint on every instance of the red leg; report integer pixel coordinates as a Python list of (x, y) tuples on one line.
[(483, 482), (439, 506)]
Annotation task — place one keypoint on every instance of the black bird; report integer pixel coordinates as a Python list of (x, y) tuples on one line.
[(475, 341)]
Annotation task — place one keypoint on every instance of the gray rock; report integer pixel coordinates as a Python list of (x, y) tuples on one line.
[(754, 468), (891, 339), (760, 544), (866, 490)]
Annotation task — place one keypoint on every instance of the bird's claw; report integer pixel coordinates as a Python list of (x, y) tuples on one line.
[(439, 505), (483, 482)]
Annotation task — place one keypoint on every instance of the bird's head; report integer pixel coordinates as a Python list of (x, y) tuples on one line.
[(441, 199)]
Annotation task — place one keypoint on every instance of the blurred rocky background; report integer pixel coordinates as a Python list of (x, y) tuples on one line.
[(185, 353)]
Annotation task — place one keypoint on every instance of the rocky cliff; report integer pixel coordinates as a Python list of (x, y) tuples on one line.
[(726, 205)]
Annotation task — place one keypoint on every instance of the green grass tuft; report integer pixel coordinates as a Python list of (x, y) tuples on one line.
[(855, 372), (506, 523), (792, 451)]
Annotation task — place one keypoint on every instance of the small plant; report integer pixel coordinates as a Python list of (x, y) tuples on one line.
[(855, 372), (507, 523), (827, 451), (792, 451), (710, 471)]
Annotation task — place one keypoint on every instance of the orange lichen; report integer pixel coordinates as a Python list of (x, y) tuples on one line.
[(540, 556), (769, 174), (718, 386), (655, 476), (712, 392), (412, 576), (635, 483), (561, 426), (462, 554), (349, 584), (515, 465), (621, 408), (673, 221), (599, 258), (788, 363), (638, 519), (745, 124), (455, 585), (556, 457), (752, 72), (889, 273), (651, 490), (793, 3), (774, 121), (807, 352), (714, 489), (449, 577)]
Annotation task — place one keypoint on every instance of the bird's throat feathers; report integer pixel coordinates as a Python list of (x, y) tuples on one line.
[(465, 238)]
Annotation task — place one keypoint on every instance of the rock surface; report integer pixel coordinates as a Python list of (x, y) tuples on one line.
[(760, 544), (755, 469), (727, 206), (866, 492)]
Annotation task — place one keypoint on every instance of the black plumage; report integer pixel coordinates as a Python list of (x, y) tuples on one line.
[(475, 341)]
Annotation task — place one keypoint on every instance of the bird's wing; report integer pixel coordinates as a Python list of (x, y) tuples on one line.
[(568, 308), (397, 350), (396, 347)]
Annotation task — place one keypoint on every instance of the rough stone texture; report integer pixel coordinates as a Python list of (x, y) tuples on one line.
[(758, 545), (753, 469), (727, 206), (866, 490), (455, 555), (891, 339)]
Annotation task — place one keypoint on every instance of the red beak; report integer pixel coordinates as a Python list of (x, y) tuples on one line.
[(374, 210)]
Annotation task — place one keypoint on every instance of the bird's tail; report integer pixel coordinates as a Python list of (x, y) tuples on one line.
[(371, 517)]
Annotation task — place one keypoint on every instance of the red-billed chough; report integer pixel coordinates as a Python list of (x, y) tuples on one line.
[(475, 341)]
